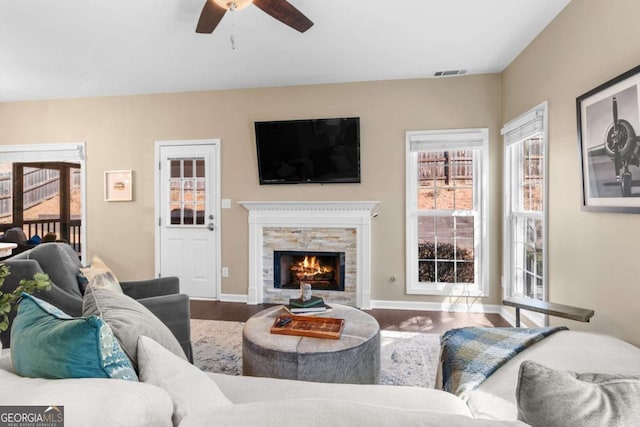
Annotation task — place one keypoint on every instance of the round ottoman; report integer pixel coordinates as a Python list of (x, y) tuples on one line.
[(354, 358)]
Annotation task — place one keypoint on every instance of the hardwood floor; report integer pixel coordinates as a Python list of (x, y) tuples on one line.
[(435, 322)]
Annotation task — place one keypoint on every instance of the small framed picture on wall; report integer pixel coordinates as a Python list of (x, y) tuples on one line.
[(118, 186)]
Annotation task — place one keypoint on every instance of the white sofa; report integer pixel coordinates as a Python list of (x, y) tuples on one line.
[(173, 392), (117, 335), (572, 351)]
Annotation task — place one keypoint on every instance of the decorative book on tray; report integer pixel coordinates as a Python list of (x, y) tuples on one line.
[(314, 305)]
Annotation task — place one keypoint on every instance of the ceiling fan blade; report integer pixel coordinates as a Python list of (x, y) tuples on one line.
[(210, 17), (286, 13)]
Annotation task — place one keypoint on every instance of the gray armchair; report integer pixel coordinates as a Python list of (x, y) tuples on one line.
[(161, 296)]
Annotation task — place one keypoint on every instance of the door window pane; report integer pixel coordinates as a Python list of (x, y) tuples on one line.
[(187, 196), (188, 168), (200, 168), (176, 168)]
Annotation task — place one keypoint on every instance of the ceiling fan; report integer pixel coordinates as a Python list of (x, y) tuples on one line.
[(282, 10)]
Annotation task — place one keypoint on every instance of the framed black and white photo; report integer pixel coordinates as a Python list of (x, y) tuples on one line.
[(608, 128)]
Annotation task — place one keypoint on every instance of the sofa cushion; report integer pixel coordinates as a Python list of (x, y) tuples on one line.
[(295, 412), (59, 261), (47, 343), (99, 276), (90, 401), (245, 389), (549, 398), (128, 319), (192, 391)]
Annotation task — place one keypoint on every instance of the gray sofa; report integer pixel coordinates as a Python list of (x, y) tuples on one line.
[(161, 296)]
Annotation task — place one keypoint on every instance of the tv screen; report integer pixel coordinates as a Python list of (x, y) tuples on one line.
[(309, 151)]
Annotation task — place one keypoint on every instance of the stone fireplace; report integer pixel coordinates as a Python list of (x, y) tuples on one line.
[(333, 236)]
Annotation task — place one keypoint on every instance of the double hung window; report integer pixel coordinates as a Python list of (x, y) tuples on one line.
[(525, 205), (445, 206)]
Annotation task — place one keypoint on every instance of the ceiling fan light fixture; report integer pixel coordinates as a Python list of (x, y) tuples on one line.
[(233, 4)]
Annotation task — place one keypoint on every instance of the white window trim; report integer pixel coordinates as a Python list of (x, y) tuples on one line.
[(448, 139), (532, 122)]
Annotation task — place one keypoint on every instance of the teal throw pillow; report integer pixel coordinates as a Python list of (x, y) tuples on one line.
[(47, 343)]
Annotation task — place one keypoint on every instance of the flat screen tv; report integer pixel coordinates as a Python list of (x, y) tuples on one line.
[(309, 151)]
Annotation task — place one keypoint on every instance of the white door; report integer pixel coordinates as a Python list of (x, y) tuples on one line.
[(187, 241)]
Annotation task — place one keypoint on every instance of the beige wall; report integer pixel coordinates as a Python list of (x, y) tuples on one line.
[(593, 257), (120, 134)]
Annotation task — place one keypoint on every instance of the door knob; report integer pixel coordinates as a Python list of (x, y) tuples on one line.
[(211, 227)]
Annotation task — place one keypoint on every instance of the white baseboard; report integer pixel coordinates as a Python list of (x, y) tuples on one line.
[(411, 305), (233, 298), (508, 316), (438, 306)]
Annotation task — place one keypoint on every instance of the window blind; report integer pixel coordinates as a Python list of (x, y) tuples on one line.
[(435, 140), (524, 127), (69, 152)]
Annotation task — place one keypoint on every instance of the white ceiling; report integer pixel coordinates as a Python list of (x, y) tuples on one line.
[(78, 48)]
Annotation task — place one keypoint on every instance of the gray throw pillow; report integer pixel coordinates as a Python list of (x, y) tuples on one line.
[(128, 319), (553, 398)]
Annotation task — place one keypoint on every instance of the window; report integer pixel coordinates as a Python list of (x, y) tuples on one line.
[(446, 229), (45, 169), (525, 205)]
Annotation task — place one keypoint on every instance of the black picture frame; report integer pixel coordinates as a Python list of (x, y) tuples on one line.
[(609, 143)]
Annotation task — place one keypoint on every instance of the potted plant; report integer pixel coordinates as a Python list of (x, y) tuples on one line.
[(9, 300)]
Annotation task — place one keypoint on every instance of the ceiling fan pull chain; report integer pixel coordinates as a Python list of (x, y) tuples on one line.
[(233, 32)]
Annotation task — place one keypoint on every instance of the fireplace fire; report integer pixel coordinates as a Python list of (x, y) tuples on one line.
[(323, 270)]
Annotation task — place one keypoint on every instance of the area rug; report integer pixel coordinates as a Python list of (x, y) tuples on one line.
[(407, 358)]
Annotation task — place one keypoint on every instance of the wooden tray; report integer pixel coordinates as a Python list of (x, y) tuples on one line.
[(309, 326)]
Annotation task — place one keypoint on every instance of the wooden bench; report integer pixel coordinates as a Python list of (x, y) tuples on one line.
[(549, 308)]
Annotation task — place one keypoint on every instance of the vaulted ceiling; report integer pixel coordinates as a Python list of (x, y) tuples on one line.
[(70, 48)]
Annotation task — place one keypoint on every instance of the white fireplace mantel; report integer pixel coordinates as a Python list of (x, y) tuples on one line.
[(347, 214)]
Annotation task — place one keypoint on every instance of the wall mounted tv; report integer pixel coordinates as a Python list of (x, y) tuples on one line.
[(309, 151)]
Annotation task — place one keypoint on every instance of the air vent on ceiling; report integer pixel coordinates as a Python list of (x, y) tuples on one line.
[(449, 73)]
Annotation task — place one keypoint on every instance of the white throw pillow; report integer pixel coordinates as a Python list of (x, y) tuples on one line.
[(192, 391)]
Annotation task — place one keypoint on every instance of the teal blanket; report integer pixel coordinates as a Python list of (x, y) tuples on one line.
[(470, 355)]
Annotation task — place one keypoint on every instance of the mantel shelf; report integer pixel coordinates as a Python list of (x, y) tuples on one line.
[(309, 205)]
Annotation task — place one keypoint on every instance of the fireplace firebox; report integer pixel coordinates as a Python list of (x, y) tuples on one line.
[(323, 270)]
